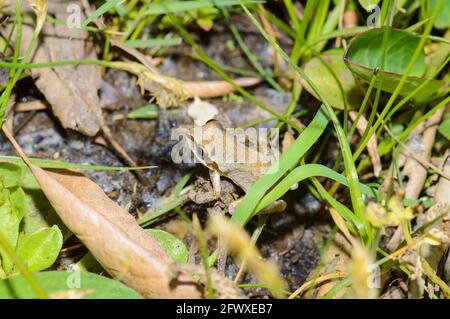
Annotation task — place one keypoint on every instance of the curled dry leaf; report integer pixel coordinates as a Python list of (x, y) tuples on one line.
[(112, 235)]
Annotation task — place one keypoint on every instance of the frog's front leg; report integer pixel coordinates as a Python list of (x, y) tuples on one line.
[(215, 181)]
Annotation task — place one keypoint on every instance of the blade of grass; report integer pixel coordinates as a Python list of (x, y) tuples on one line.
[(47, 163), (303, 172), (253, 59), (13, 72), (100, 11), (286, 162), (208, 61), (350, 169), (151, 43), (183, 6)]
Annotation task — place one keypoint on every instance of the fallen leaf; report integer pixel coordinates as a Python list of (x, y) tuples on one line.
[(112, 235), (70, 90)]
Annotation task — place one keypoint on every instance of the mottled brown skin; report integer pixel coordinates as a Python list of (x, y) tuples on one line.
[(221, 164)]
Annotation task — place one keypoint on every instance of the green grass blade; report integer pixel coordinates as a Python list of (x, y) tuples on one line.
[(151, 43), (182, 6), (46, 163), (303, 172), (350, 169), (287, 161), (100, 11)]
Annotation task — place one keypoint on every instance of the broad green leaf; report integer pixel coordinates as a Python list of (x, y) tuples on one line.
[(365, 54), (18, 201), (368, 4), (9, 227), (174, 247), (325, 71), (58, 284), (444, 129), (10, 174), (12, 209), (40, 249), (443, 19)]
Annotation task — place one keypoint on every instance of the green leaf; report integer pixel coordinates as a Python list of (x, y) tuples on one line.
[(365, 54), (40, 249), (18, 201), (9, 227), (174, 247), (444, 129), (12, 209), (443, 18), (10, 174), (149, 111), (57, 282), (331, 76)]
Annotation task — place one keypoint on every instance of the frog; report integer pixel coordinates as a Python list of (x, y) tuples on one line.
[(233, 155)]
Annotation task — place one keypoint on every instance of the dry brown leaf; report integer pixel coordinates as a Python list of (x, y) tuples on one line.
[(112, 235), (70, 90)]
